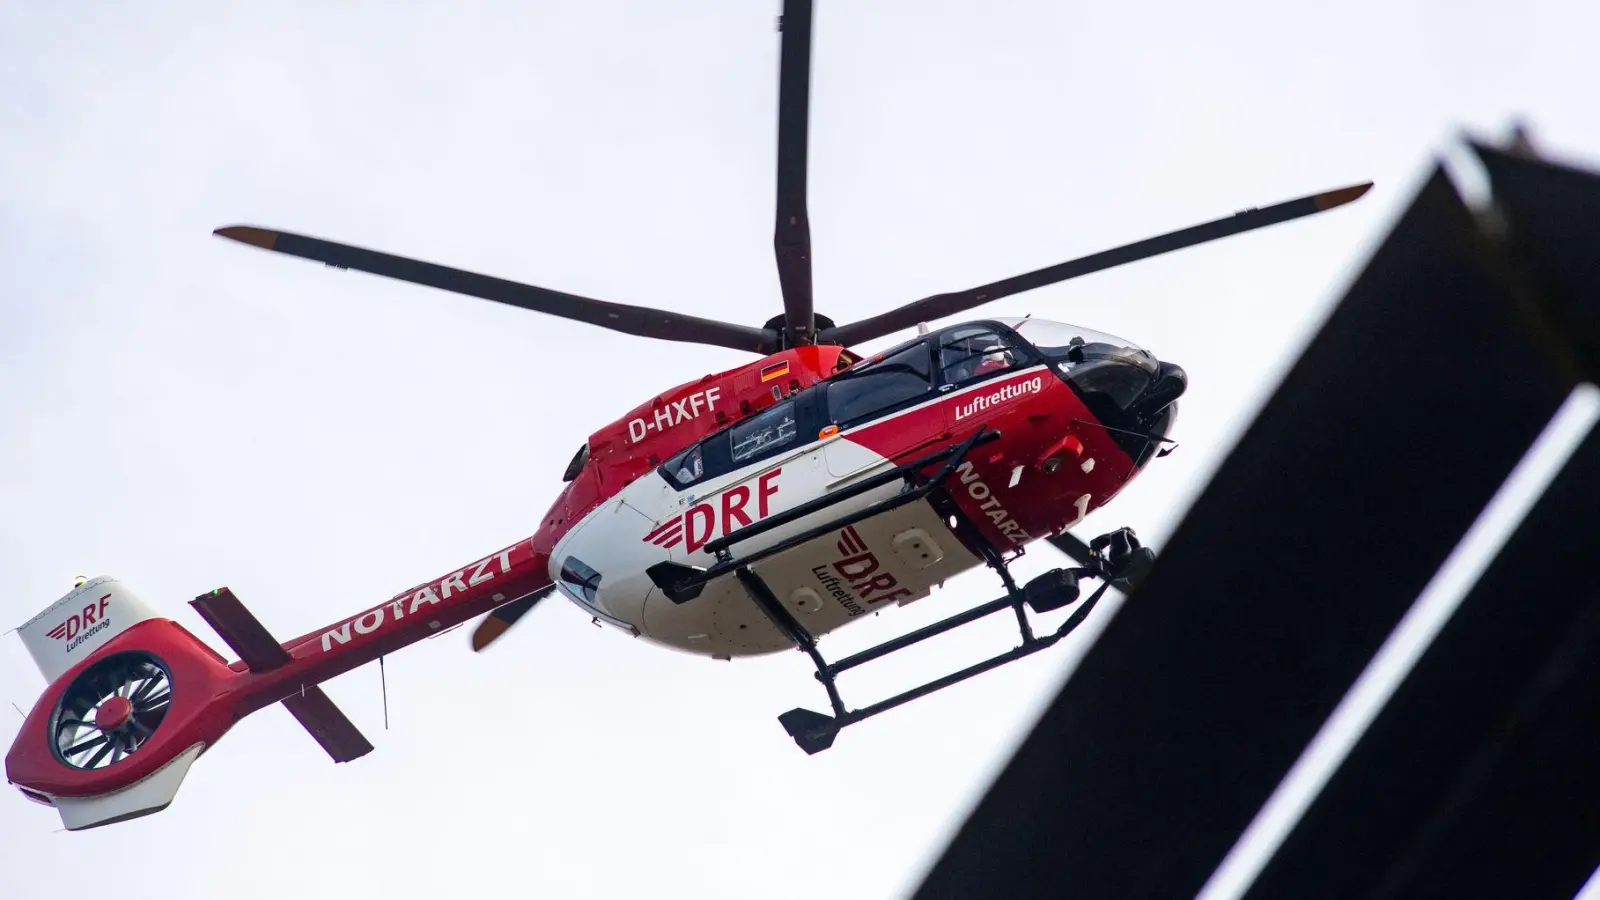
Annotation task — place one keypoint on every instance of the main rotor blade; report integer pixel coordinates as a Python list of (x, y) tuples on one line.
[(639, 320), (503, 617), (792, 236), (941, 305)]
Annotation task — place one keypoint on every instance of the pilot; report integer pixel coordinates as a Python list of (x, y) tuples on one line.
[(691, 469), (995, 358)]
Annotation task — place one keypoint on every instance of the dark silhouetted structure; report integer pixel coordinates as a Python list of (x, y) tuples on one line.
[(1481, 776)]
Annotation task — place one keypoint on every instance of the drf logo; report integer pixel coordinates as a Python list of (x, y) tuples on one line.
[(716, 516), (859, 569), (78, 621)]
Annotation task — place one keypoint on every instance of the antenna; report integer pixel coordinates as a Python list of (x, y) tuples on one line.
[(384, 680)]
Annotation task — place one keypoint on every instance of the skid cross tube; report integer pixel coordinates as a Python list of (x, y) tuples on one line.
[(1026, 648), (969, 534), (786, 622), (815, 732), (914, 637)]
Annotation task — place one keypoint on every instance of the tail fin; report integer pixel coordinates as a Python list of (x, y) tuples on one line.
[(74, 627), (114, 734)]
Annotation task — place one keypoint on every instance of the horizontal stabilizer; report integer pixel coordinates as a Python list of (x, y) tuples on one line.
[(240, 629), (261, 652), (496, 623), (331, 727)]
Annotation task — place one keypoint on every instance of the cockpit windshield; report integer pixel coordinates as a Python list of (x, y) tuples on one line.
[(1069, 345)]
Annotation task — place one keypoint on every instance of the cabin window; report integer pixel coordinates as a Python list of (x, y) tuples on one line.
[(764, 434), (974, 352), (687, 467), (576, 466), (877, 387)]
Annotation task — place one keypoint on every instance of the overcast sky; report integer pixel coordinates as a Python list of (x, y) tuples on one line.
[(183, 412)]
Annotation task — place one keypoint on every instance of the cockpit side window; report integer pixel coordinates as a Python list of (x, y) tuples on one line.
[(687, 467), (578, 460), (877, 387), (771, 432), (1069, 345), (974, 352)]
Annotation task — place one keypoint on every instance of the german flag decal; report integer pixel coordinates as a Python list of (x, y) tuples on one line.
[(776, 370)]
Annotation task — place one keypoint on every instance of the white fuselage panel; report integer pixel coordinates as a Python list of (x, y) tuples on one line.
[(886, 560)]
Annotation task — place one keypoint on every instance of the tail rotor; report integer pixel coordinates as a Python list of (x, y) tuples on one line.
[(111, 710)]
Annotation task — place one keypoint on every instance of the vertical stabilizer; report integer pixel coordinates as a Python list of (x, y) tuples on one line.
[(73, 627)]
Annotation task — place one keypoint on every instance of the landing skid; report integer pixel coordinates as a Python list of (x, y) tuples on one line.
[(1116, 558), (814, 731)]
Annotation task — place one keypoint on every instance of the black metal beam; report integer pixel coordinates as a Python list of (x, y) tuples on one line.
[(1478, 778), (1550, 215), (1357, 478)]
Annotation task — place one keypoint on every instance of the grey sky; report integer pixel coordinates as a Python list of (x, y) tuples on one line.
[(185, 413)]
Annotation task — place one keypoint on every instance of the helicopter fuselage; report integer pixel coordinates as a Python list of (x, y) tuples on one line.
[(1055, 459)]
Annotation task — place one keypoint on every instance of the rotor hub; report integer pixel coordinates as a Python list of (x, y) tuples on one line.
[(779, 325), (113, 714)]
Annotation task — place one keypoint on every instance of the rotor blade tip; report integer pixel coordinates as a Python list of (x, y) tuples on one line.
[(1330, 199), (245, 234)]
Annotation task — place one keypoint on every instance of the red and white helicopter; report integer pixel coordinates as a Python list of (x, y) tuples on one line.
[(745, 512)]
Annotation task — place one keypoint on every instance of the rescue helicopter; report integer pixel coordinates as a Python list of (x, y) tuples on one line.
[(745, 512)]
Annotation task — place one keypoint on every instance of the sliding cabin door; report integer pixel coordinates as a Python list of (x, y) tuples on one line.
[(884, 412)]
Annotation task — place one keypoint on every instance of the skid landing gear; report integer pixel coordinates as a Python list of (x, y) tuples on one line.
[(1118, 560)]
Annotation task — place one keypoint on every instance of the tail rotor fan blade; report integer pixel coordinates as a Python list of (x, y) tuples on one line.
[(502, 618), (940, 305)]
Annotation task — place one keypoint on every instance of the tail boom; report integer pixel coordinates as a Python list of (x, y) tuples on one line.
[(87, 704)]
